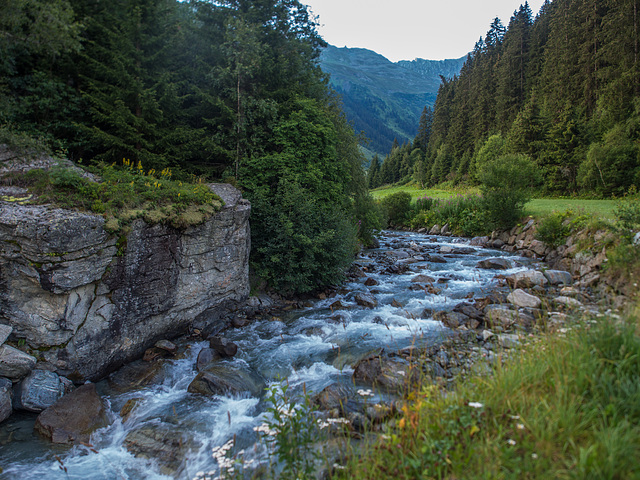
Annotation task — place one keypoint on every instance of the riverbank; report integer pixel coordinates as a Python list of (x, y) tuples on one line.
[(564, 405)]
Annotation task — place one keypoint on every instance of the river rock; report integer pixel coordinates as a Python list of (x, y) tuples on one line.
[(435, 230), (568, 301), (392, 373), (333, 396), (520, 298), (422, 279), (153, 354), (500, 315), (222, 378), (508, 340), (479, 241), (468, 310), (433, 258), (74, 417), (163, 443), (527, 279), (5, 399), (558, 277), (206, 356), (451, 320), (167, 346), (14, 363), (135, 375), (370, 282), (366, 300), (5, 331), (495, 263), (225, 347), (39, 390)]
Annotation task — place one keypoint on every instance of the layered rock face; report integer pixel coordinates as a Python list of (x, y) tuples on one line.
[(86, 301)]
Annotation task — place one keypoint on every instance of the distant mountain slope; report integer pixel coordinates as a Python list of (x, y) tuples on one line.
[(382, 98)]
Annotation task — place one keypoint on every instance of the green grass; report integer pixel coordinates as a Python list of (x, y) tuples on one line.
[(565, 407), (538, 207), (126, 192), (544, 206), (415, 192)]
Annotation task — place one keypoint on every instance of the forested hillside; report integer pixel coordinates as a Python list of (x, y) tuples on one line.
[(563, 88), (384, 99), (227, 89)]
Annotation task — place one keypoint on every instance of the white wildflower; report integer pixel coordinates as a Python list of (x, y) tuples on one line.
[(365, 393), (534, 456), (511, 442), (520, 426), (476, 405)]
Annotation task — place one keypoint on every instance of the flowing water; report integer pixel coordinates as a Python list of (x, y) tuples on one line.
[(313, 347)]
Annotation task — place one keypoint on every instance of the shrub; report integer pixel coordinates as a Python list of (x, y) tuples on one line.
[(299, 243), (398, 206), (370, 218), (552, 230), (506, 186)]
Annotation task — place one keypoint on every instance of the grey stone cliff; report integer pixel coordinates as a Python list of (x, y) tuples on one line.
[(86, 301)]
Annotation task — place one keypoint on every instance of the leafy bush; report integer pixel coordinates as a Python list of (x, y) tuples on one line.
[(627, 213), (552, 230), (465, 214), (370, 218), (299, 244), (506, 186), (398, 206)]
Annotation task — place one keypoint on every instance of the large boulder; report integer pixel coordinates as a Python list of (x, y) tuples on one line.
[(14, 363), (222, 378), (92, 301), (39, 390), (74, 417), (5, 398)]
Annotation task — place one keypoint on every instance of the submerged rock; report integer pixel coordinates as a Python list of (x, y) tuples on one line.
[(164, 443), (74, 417), (366, 300)]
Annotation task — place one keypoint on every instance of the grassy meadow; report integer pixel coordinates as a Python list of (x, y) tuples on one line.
[(538, 207)]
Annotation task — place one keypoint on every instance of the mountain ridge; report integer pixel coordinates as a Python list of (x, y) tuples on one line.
[(384, 99)]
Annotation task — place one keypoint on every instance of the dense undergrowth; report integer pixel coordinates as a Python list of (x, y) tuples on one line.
[(122, 194), (566, 406)]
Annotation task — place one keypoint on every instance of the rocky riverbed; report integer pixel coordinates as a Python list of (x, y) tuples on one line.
[(418, 307)]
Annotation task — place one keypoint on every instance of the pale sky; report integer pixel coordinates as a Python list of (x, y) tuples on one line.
[(409, 29)]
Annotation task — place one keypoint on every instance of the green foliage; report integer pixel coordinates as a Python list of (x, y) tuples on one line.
[(627, 213), (295, 433), (299, 244), (370, 218), (566, 406), (465, 214), (552, 230), (506, 185), (397, 206), (123, 194)]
